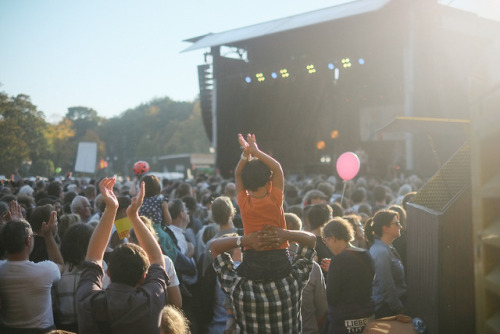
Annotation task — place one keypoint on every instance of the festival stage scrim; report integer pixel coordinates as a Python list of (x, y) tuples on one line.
[(315, 85)]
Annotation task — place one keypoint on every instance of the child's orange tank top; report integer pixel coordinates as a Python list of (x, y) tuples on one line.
[(258, 212)]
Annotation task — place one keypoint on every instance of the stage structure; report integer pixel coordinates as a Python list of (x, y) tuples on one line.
[(315, 85)]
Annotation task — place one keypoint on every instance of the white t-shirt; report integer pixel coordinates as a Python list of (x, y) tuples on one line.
[(170, 269), (181, 238), (25, 293)]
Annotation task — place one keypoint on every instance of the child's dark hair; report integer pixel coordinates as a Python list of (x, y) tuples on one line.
[(255, 174), (152, 186)]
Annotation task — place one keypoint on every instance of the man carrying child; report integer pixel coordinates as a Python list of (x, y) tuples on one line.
[(266, 293)]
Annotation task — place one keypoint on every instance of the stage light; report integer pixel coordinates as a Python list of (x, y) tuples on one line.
[(248, 79), (331, 66), (320, 145), (361, 61), (260, 77), (274, 75), (346, 62), (326, 159), (336, 74), (311, 69), (334, 134), (284, 73)]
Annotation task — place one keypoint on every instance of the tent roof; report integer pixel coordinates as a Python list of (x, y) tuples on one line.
[(232, 37)]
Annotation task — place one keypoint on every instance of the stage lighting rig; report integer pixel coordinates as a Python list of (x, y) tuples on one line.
[(311, 69)]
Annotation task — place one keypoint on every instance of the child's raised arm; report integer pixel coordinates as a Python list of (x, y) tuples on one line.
[(243, 160), (277, 177)]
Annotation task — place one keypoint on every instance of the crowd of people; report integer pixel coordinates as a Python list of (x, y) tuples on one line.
[(262, 253)]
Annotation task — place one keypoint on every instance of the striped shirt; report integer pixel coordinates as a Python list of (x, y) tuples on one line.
[(267, 306)]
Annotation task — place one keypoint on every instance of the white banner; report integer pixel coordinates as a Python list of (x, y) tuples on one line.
[(86, 157)]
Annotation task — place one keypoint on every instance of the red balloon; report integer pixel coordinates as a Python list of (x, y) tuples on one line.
[(348, 166)]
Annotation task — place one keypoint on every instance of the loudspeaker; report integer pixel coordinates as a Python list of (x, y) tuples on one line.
[(440, 261)]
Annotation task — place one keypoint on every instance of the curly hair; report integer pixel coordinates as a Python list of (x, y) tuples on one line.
[(173, 321), (255, 174), (318, 215), (339, 228)]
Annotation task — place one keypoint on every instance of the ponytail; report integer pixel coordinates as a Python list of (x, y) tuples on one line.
[(373, 226), (369, 233)]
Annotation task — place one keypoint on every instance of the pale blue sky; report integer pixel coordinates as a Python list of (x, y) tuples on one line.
[(113, 55)]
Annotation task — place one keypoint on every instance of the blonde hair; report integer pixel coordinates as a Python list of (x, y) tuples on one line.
[(173, 321)]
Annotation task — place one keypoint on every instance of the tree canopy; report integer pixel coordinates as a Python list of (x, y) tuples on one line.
[(31, 146)]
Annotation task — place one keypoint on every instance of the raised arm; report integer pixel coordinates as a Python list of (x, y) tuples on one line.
[(243, 160), (100, 237), (269, 238), (15, 210), (277, 178), (144, 236), (47, 232)]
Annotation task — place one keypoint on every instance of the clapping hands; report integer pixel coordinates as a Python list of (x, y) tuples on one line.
[(106, 187), (249, 146), (134, 207)]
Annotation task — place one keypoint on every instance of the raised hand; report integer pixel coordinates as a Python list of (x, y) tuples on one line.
[(15, 210), (252, 144), (245, 147), (106, 187), (134, 207), (49, 228)]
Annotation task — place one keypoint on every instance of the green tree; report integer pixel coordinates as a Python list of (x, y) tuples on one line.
[(83, 119), (62, 144), (157, 128), (22, 135)]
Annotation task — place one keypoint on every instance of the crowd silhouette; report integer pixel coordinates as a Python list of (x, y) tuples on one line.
[(205, 255)]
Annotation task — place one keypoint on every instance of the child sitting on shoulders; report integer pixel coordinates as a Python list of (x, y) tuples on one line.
[(259, 185)]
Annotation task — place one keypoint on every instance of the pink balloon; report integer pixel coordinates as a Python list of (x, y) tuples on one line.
[(348, 166)]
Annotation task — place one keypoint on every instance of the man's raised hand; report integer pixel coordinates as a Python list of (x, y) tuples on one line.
[(106, 186), (16, 212), (136, 201), (49, 228)]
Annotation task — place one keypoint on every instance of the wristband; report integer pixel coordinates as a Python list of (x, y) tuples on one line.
[(243, 156)]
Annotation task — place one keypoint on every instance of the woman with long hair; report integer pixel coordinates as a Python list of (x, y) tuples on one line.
[(349, 280), (389, 287)]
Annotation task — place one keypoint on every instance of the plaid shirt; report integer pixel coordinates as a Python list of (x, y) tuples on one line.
[(267, 306)]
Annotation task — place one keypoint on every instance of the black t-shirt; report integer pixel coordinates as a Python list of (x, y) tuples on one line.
[(349, 286)]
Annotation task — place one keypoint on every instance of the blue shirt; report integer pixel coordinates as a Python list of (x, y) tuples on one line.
[(389, 284)]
